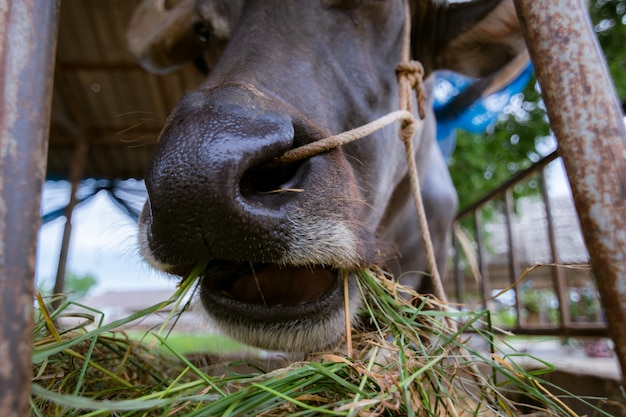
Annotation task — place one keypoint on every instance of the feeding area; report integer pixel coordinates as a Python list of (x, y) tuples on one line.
[(408, 356)]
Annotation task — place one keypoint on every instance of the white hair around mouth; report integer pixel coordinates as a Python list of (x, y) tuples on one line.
[(306, 334), (325, 242)]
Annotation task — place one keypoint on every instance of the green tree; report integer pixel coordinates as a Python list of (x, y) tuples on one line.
[(78, 286), (609, 18), (482, 162)]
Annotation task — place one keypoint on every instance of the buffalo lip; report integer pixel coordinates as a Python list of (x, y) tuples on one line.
[(268, 292)]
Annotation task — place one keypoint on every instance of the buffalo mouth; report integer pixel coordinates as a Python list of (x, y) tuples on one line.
[(259, 292)]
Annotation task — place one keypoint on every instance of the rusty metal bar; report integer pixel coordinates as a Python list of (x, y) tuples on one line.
[(27, 49), (517, 178), (586, 118), (76, 174), (514, 271), (482, 262), (558, 278), (459, 276), (588, 330)]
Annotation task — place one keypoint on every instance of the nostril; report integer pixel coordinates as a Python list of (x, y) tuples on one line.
[(266, 179), (271, 176)]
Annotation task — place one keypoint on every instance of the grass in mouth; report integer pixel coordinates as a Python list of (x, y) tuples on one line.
[(413, 363)]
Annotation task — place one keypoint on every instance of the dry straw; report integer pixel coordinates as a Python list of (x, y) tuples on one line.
[(405, 362)]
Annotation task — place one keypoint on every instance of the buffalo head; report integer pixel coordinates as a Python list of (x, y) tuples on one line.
[(284, 73)]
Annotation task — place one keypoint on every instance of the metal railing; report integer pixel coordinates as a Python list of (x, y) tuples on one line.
[(560, 321)]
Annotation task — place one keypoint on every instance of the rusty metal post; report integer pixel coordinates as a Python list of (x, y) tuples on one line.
[(514, 271), (27, 49), (76, 174), (558, 278), (459, 276), (485, 286), (587, 121)]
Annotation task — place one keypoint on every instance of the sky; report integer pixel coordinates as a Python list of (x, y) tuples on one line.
[(104, 241), (103, 244)]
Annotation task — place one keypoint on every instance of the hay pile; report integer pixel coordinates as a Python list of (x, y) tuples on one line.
[(413, 363)]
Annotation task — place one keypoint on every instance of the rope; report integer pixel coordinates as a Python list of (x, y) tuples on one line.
[(331, 142), (410, 76)]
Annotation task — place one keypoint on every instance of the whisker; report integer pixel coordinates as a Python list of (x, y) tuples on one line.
[(258, 284), (283, 190)]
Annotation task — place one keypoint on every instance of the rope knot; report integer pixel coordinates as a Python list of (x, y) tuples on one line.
[(412, 70), (407, 129), (411, 73)]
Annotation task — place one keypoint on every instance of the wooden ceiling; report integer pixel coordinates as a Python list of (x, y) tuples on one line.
[(102, 97)]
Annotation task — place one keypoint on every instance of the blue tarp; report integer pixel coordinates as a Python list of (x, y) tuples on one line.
[(479, 116)]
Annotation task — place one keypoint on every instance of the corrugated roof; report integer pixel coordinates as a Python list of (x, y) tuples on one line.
[(102, 96)]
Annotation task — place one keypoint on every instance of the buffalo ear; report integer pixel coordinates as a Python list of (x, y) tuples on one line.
[(476, 38)]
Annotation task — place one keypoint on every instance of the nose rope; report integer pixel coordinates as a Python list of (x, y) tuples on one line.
[(331, 142), (410, 75)]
